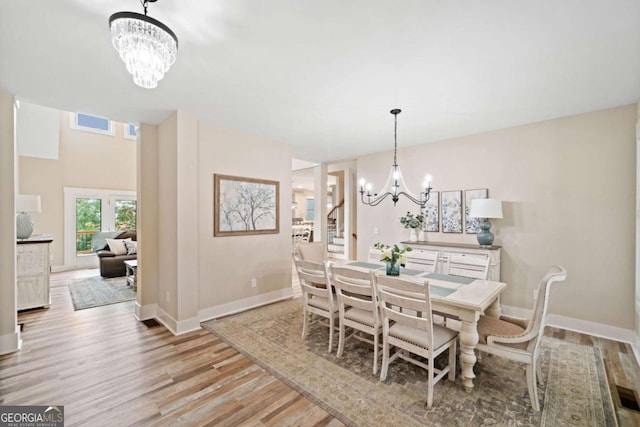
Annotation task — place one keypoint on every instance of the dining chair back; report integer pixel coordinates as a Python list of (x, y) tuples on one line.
[(317, 297), (519, 339), (313, 251), (374, 254), (407, 325), (422, 259), (357, 307), (472, 266)]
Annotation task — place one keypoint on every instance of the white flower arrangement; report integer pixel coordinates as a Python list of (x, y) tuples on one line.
[(393, 253)]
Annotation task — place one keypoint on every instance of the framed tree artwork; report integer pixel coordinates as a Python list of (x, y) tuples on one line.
[(432, 213), (472, 225), (244, 206), (451, 203)]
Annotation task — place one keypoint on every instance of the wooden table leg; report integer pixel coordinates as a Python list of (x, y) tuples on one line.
[(468, 340)]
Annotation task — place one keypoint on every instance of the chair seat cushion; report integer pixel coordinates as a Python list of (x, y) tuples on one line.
[(499, 327), (417, 336), (322, 303), (358, 315)]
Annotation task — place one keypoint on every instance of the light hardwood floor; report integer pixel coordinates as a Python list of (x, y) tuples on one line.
[(108, 369)]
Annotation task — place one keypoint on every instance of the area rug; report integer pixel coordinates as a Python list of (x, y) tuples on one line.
[(575, 390), (97, 291)]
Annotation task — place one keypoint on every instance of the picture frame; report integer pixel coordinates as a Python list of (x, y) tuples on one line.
[(245, 206), (432, 213), (472, 225), (451, 208)]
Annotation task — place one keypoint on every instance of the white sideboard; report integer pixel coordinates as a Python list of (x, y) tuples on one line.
[(32, 271), (446, 249)]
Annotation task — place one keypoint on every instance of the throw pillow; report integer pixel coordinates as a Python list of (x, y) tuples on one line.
[(117, 246), (132, 247)]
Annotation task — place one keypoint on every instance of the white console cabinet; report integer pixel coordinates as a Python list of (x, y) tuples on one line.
[(32, 271), (447, 249)]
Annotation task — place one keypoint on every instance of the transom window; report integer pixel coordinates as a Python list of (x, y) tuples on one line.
[(130, 131), (91, 123)]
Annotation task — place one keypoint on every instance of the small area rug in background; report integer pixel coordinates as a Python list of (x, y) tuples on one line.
[(575, 393), (97, 291)]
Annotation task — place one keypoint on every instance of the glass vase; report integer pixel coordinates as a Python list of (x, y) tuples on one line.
[(393, 268)]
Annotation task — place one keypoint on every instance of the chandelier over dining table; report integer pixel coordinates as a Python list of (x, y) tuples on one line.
[(395, 185)]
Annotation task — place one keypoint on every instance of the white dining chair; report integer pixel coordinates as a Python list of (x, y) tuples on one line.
[(519, 339), (357, 307), (317, 297), (374, 254), (422, 259), (471, 266), (407, 324), (310, 251)]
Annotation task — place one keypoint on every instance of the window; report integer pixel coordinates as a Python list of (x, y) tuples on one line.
[(310, 210), (90, 123), (125, 213), (89, 211), (88, 223), (130, 131)]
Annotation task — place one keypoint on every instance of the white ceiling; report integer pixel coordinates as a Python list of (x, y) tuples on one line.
[(323, 75)]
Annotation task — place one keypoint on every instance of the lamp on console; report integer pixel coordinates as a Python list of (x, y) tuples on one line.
[(26, 203), (485, 209)]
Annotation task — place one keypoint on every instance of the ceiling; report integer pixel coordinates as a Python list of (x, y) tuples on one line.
[(323, 75)]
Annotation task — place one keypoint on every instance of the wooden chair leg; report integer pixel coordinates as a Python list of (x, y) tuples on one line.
[(331, 320), (375, 353), (341, 340), (539, 371), (533, 389), (452, 361), (385, 359), (305, 321)]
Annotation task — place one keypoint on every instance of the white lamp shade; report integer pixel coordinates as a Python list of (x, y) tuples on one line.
[(28, 203), (485, 208)]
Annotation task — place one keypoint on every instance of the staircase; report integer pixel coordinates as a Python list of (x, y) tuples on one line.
[(335, 240), (335, 249)]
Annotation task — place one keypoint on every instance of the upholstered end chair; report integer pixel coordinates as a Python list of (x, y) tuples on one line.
[(519, 339)]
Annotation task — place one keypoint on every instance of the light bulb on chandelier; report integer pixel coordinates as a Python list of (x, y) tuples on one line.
[(395, 185)]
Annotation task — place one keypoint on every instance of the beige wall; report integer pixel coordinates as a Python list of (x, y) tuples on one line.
[(568, 187), (227, 264), (197, 275), (86, 160), (9, 331)]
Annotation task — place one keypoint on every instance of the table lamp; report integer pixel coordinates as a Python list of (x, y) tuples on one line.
[(26, 203), (485, 209)]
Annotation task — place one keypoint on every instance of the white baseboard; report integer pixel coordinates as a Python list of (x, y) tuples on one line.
[(174, 326), (10, 343), (60, 268), (145, 312), (244, 304), (153, 311)]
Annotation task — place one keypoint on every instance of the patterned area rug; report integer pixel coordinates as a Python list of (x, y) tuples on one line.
[(97, 291), (575, 390)]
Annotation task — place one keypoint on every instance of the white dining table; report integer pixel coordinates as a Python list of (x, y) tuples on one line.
[(462, 298)]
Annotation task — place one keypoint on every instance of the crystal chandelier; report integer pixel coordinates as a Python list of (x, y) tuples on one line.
[(146, 45), (395, 185)]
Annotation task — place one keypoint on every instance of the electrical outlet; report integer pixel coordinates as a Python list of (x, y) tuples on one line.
[(254, 283), (167, 296), (376, 230)]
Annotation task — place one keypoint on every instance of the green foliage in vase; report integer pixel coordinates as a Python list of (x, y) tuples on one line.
[(412, 221)]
